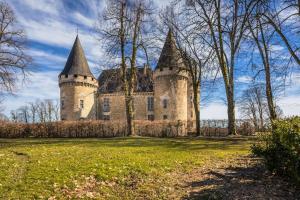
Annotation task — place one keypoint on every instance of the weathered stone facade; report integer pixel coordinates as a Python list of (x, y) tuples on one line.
[(162, 94)]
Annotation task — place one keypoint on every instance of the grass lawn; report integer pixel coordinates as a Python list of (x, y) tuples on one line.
[(122, 168)]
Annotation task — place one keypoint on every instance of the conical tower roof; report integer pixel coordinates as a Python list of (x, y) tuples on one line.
[(170, 55), (77, 63)]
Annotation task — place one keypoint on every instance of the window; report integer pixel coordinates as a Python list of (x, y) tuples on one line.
[(81, 104), (85, 77), (165, 117), (106, 117), (75, 75), (171, 68), (62, 104), (151, 117), (150, 103), (106, 106), (165, 103), (66, 75)]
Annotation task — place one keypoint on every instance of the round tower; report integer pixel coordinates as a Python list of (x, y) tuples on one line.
[(170, 84), (78, 87)]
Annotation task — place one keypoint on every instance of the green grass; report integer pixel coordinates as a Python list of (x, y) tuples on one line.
[(124, 168)]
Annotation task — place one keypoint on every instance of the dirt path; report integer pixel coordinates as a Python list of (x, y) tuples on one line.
[(243, 178)]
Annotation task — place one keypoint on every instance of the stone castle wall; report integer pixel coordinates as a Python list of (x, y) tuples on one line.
[(171, 86), (72, 90), (190, 108), (117, 106), (168, 84)]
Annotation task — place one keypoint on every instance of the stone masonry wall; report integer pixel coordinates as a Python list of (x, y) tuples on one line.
[(172, 86), (72, 90), (117, 106)]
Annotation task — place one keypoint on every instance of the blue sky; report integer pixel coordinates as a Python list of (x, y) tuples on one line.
[(51, 29)]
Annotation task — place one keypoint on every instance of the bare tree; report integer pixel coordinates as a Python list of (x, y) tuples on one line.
[(284, 17), (23, 113), (14, 116), (56, 110), (49, 109), (253, 106), (33, 111), (13, 59), (262, 36), (41, 111), (224, 24), (123, 23), (248, 107)]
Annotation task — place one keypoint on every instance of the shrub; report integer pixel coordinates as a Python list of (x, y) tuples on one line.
[(281, 148), (88, 129)]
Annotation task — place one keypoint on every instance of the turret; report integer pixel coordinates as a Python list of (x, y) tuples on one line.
[(170, 84), (78, 87)]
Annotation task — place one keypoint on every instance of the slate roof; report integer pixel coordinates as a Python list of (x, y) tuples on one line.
[(110, 81), (170, 55), (77, 63)]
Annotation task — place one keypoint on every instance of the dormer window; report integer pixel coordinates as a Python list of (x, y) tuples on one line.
[(75, 76), (66, 76)]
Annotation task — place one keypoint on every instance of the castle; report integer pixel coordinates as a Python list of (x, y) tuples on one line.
[(164, 93)]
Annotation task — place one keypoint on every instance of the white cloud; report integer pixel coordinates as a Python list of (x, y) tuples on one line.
[(214, 111), (244, 79), (276, 47), (46, 6), (40, 85), (162, 3), (84, 20), (290, 105), (46, 56)]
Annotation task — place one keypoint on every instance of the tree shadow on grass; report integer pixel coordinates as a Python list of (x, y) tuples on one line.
[(183, 144), (241, 182)]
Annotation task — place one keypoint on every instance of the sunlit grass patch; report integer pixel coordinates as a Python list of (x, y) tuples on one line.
[(104, 168)]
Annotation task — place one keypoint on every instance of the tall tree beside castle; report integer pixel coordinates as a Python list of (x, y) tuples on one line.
[(13, 57), (123, 34), (223, 25)]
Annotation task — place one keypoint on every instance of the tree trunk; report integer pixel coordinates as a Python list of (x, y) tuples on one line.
[(265, 58), (255, 120), (129, 116), (196, 101), (231, 112), (264, 53), (269, 93), (124, 72)]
